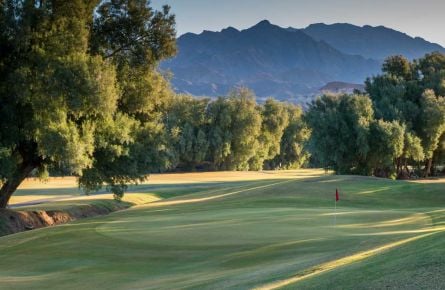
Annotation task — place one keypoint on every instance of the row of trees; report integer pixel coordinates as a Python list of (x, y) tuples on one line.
[(395, 129), (235, 133)]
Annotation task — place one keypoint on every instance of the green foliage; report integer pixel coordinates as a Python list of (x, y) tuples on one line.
[(234, 129), (79, 93), (440, 153), (187, 124), (293, 152), (398, 66), (411, 94), (220, 135), (340, 128), (133, 34), (392, 100), (432, 121), (235, 133), (413, 149), (134, 38), (407, 128), (386, 144), (432, 68), (274, 120)]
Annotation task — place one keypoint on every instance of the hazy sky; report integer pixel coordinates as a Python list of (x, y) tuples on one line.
[(424, 18)]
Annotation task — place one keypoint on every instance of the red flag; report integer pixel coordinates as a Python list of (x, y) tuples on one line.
[(337, 197)]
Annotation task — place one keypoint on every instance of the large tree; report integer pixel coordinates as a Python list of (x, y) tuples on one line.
[(235, 125), (386, 143), (187, 126), (340, 132), (79, 93), (432, 124), (293, 153), (411, 93), (275, 119)]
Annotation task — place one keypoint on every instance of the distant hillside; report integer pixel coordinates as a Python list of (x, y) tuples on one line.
[(371, 42), (271, 60), (285, 63)]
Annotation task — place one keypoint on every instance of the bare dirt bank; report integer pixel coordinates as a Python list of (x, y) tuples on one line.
[(12, 221)]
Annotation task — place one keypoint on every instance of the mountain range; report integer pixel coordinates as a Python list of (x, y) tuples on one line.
[(371, 42), (286, 63)]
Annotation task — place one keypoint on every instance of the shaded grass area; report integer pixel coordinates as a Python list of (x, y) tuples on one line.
[(248, 235)]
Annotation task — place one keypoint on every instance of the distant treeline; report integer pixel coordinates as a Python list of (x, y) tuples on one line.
[(235, 133)]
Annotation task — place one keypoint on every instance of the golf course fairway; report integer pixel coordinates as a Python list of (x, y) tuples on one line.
[(262, 230)]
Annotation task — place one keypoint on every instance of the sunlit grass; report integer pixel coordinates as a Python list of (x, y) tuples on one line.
[(319, 269), (253, 230), (34, 190)]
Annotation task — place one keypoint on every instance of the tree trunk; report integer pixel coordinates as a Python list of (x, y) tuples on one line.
[(407, 170), (12, 183), (399, 167), (428, 164), (433, 171)]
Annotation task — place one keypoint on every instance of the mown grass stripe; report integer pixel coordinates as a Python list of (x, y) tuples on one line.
[(328, 266)]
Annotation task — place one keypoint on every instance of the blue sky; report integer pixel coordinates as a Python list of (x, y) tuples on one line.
[(424, 18)]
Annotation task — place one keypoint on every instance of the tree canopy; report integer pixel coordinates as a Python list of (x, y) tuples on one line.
[(391, 129), (79, 91)]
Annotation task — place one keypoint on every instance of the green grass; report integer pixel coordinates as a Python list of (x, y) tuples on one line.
[(240, 235)]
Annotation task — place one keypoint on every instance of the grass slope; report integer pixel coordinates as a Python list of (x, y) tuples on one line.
[(264, 231)]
